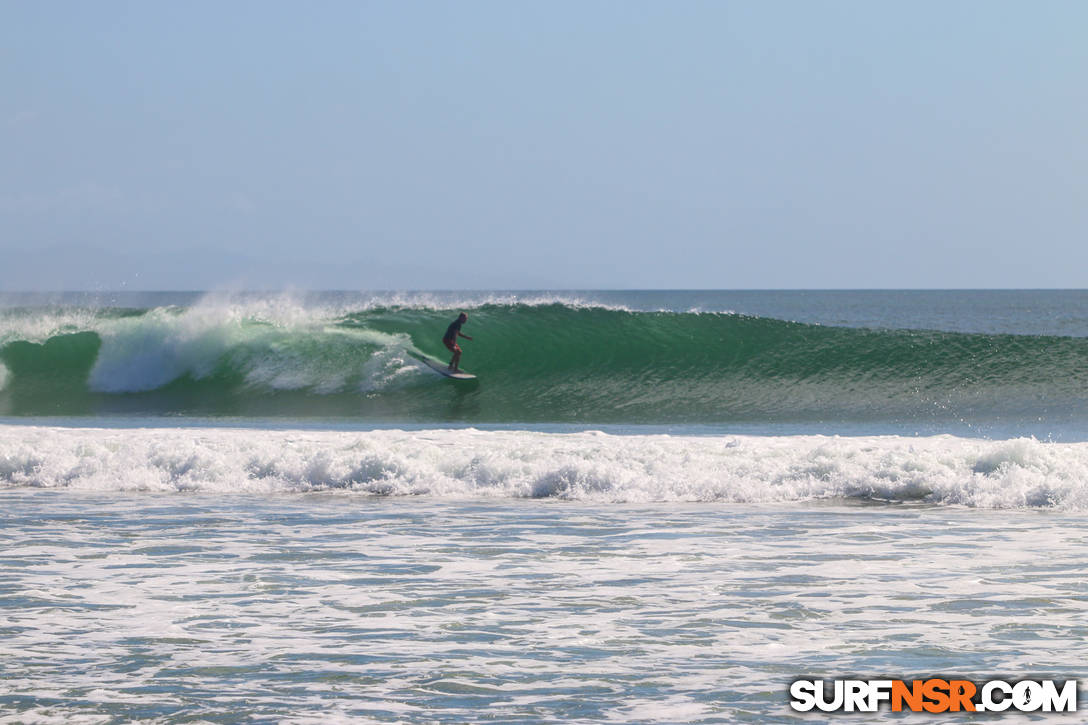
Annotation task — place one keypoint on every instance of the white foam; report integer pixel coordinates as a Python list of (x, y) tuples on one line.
[(472, 301), (274, 342), (285, 341), (313, 608), (39, 326), (592, 466)]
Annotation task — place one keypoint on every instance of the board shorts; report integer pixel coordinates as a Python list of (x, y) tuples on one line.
[(452, 346)]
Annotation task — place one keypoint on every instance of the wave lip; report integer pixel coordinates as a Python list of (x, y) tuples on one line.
[(537, 361), (590, 466)]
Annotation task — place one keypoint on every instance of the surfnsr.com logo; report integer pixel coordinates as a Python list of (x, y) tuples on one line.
[(933, 695)]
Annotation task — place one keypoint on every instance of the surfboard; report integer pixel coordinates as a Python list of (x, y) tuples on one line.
[(443, 369)]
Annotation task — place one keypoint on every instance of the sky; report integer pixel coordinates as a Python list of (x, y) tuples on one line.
[(543, 145)]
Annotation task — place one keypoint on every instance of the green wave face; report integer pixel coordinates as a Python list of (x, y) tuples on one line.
[(546, 363)]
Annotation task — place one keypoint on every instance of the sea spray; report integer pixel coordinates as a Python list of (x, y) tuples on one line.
[(537, 362), (588, 466)]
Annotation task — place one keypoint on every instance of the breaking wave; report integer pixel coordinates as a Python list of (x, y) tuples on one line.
[(588, 466), (545, 360)]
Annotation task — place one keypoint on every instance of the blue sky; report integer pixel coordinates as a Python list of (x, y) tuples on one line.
[(443, 145)]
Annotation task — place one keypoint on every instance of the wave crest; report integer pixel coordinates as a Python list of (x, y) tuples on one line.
[(537, 361), (940, 470)]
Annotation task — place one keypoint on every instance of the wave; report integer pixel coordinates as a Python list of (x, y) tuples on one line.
[(589, 466), (538, 360)]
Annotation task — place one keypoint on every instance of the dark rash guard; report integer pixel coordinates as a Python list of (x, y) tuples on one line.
[(452, 330)]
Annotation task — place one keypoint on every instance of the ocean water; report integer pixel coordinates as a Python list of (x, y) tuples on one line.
[(650, 507)]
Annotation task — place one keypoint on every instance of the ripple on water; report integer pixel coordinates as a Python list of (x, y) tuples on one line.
[(142, 607)]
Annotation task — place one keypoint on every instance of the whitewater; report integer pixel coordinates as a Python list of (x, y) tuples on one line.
[(550, 358), (650, 507), (592, 466)]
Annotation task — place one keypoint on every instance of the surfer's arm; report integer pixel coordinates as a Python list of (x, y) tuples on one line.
[(463, 335)]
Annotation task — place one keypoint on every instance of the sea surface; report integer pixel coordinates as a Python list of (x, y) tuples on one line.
[(649, 507)]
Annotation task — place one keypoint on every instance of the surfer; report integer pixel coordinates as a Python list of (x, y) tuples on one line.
[(450, 340)]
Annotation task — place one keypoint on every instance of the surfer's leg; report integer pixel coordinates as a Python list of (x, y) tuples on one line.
[(452, 347), (456, 357)]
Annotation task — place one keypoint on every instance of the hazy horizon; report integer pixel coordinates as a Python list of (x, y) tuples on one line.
[(288, 290), (703, 145)]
